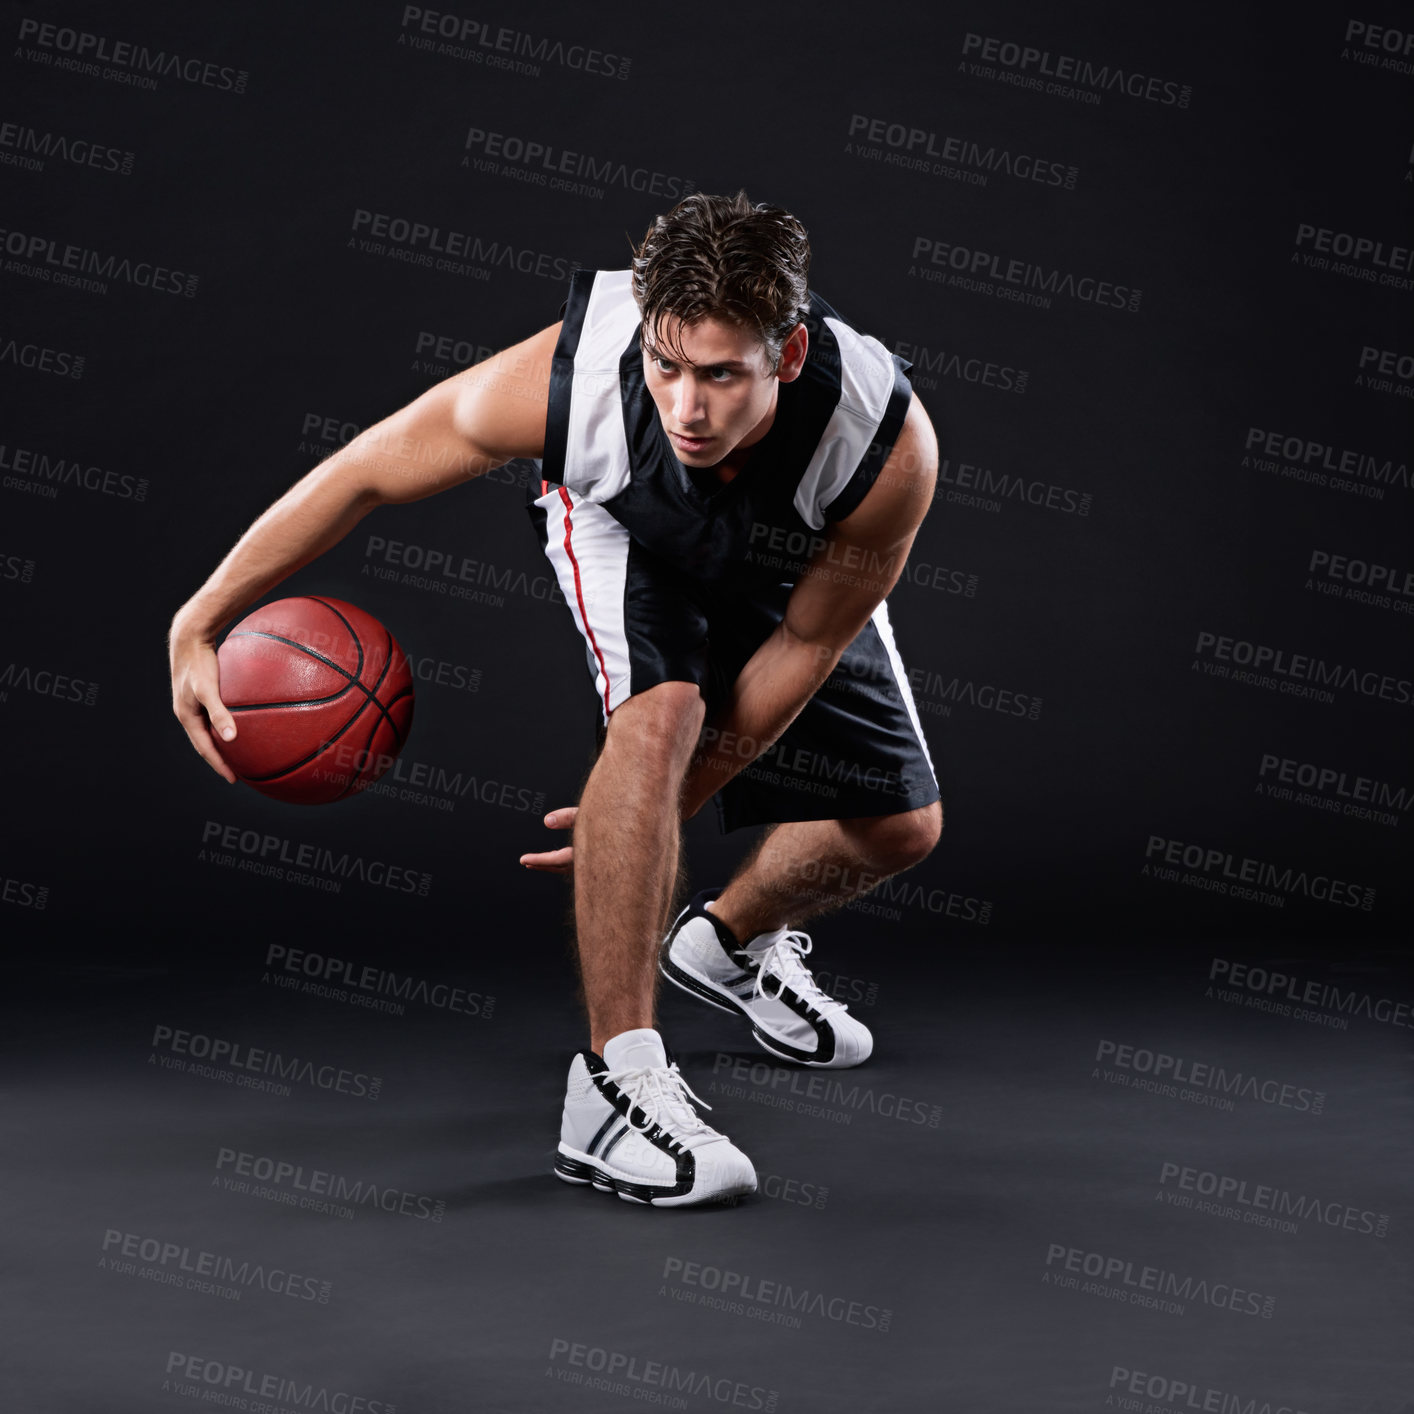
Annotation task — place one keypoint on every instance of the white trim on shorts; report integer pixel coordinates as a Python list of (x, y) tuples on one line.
[(589, 551), (880, 619)]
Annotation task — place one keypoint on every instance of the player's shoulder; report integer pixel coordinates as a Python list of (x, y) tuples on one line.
[(859, 396), (863, 374)]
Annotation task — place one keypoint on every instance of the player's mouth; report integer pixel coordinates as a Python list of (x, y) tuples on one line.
[(689, 444)]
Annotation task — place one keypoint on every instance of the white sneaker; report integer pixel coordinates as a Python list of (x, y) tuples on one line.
[(629, 1127), (765, 980)]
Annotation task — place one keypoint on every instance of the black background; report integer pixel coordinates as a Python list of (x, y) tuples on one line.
[(1035, 916)]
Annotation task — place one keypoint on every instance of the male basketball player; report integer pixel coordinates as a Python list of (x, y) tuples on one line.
[(732, 480)]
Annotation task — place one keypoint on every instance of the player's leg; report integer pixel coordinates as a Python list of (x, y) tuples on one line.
[(799, 870), (743, 949), (626, 842), (629, 1123), (853, 778)]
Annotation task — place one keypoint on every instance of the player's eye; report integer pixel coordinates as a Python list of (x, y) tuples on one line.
[(662, 365), (720, 375)]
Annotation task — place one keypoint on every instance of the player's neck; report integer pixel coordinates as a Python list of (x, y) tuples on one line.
[(736, 460)]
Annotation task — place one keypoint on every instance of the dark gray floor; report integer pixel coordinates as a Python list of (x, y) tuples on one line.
[(922, 1242)]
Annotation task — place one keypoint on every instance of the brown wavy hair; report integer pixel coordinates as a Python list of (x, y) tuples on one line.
[(728, 258)]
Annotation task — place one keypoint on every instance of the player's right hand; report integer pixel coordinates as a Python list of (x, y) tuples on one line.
[(196, 698), (555, 861)]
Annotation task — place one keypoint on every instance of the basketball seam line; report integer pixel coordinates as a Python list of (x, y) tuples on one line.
[(344, 672), (388, 663), (353, 681), (310, 652), (368, 748)]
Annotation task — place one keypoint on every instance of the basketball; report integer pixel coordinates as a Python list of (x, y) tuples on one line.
[(322, 697)]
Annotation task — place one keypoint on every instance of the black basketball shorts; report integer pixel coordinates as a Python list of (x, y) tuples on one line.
[(856, 749)]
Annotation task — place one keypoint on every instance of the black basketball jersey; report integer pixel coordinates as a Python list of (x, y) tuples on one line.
[(834, 428)]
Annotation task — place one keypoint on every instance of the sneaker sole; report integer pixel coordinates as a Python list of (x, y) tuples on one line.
[(574, 1167), (694, 984)]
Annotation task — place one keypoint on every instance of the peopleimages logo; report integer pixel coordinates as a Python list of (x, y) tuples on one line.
[(1120, 1279), (226, 1058), (550, 166), (45, 682), (1359, 257), (24, 894), (379, 981), (622, 1373), (1300, 458), (779, 1296), (1184, 1394), (41, 358), (930, 365), (449, 350), (499, 46), (1382, 38), (320, 1190), (777, 1086), (1328, 788), (1216, 1080), (1348, 577), (921, 149), (1022, 281), (1383, 370), (1031, 68), (257, 853), (83, 49), (45, 258), (27, 147), (16, 567), (1264, 1204), (42, 466), (938, 693), (225, 1383), (1270, 984), (1295, 674), (448, 572), (180, 1258), (1240, 876), (970, 484), (418, 243)]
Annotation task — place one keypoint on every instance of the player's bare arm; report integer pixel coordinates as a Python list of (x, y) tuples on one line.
[(459, 429), (848, 577)]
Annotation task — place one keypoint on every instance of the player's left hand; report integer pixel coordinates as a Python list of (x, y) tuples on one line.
[(555, 861)]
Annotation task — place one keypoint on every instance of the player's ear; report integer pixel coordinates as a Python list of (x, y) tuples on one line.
[(793, 354)]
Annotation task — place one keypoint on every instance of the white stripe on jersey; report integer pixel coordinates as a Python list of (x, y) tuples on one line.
[(596, 450), (866, 384), (587, 535), (880, 619)]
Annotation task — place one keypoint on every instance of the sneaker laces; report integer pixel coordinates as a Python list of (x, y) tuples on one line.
[(784, 960), (665, 1099)]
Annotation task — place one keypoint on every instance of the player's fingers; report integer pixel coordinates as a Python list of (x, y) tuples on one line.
[(555, 861), (199, 734), (205, 687)]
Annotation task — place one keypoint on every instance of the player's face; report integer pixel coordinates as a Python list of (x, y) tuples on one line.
[(722, 394)]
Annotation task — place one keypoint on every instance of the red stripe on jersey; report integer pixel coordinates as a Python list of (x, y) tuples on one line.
[(579, 594)]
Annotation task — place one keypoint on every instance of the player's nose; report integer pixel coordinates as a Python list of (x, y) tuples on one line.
[(687, 406)]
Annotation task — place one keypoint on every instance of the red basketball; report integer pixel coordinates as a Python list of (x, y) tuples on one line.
[(322, 697)]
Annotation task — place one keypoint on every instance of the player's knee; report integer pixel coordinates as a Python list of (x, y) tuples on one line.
[(660, 724), (918, 833), (898, 842)]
